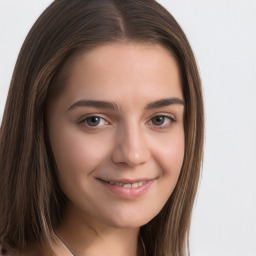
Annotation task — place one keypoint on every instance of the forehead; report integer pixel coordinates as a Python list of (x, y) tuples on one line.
[(117, 70)]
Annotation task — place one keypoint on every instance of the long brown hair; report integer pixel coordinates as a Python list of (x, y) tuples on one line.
[(31, 201)]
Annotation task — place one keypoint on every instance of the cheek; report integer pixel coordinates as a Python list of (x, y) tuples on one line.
[(76, 154), (170, 153)]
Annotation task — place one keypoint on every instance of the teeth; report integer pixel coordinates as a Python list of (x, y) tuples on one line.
[(127, 185), (135, 185)]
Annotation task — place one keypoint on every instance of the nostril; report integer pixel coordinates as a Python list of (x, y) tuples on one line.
[(131, 159)]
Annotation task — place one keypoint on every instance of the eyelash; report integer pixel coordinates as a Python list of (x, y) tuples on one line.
[(84, 121), (167, 118)]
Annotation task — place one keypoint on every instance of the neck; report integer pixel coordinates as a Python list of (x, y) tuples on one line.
[(84, 236)]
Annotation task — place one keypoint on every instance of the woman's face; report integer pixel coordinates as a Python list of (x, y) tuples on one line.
[(117, 133)]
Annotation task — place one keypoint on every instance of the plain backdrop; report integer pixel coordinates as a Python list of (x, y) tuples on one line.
[(223, 37)]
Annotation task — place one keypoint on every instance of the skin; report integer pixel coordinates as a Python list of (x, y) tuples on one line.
[(134, 139)]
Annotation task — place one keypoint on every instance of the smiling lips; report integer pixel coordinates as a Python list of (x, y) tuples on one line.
[(128, 189), (127, 185)]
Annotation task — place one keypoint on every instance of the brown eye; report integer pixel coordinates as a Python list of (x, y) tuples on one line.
[(158, 120), (162, 121), (94, 121)]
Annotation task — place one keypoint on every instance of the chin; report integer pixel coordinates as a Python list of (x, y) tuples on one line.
[(131, 221)]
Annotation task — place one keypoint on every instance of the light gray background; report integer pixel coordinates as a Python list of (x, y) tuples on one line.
[(223, 36)]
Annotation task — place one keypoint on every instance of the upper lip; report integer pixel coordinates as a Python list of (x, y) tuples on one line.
[(127, 181)]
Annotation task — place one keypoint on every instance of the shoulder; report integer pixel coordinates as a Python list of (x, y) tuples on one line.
[(3, 252), (6, 252), (32, 251)]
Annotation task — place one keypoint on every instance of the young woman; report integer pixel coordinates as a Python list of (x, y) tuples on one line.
[(102, 135)]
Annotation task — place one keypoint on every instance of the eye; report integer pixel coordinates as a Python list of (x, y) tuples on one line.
[(94, 121), (162, 121)]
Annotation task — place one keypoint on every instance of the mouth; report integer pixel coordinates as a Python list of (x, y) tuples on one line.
[(127, 188), (125, 184)]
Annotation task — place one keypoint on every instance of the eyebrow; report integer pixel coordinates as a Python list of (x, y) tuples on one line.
[(112, 106), (96, 104), (165, 102)]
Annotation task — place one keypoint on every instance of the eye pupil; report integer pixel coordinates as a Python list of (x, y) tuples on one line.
[(93, 121), (158, 120)]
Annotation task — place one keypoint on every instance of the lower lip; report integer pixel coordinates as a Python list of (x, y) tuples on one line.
[(128, 192)]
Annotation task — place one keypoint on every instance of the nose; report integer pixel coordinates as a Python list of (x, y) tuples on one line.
[(131, 147)]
